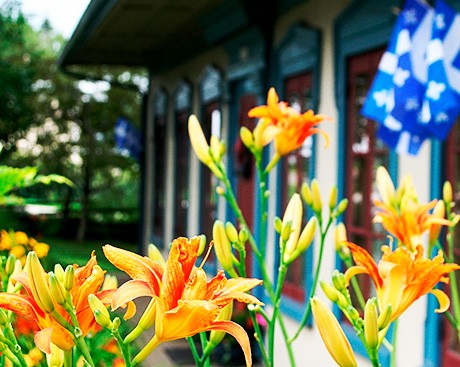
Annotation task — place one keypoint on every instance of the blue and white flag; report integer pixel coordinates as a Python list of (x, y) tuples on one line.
[(128, 139), (397, 93), (442, 97)]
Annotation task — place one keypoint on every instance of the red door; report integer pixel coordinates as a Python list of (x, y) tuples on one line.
[(245, 170), (295, 169), (364, 153)]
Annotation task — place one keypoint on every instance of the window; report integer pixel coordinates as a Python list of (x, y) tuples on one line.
[(364, 153), (451, 345), (295, 169)]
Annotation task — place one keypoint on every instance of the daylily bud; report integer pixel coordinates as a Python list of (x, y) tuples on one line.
[(220, 191), (353, 313), (110, 282), (231, 231), (435, 229), (340, 238), (316, 196), (155, 254), (333, 197), (56, 357), (217, 148), (246, 137), (305, 240), (292, 221), (101, 314), (215, 337), (69, 277), (223, 247), (3, 318), (57, 290), (146, 321), (333, 294), (447, 192), (38, 283), (338, 280), (384, 185), (202, 245), (384, 317), (306, 194), (59, 272), (198, 140), (342, 206), (371, 330), (332, 334), (243, 236), (278, 224), (9, 265)]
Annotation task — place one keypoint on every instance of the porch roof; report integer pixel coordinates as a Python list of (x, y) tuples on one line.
[(161, 33)]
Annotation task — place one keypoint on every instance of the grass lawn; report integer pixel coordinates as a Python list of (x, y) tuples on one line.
[(67, 251)]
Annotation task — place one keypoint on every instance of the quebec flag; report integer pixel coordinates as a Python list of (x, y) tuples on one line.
[(128, 140), (397, 93), (442, 97)]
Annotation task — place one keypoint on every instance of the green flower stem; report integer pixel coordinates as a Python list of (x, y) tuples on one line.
[(11, 338), (194, 351), (307, 312), (124, 347), (205, 360), (258, 335), (393, 343), (231, 199), (68, 358), (76, 332)]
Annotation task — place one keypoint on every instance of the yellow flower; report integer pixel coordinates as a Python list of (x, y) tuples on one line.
[(332, 334), (185, 303), (21, 238), (283, 124), (41, 249), (37, 304), (5, 240), (18, 251), (401, 214), (401, 276)]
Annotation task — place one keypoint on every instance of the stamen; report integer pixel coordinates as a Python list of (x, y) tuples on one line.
[(391, 240), (207, 254)]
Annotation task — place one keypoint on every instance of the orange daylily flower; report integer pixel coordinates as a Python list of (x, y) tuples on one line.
[(88, 280), (284, 124), (401, 276), (184, 302), (402, 215)]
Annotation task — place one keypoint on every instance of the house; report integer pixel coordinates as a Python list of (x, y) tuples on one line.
[(217, 59)]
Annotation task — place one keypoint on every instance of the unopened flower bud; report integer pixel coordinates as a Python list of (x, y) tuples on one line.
[(202, 245), (317, 204), (154, 253), (243, 235), (9, 265), (332, 334), (3, 318), (57, 290), (69, 277), (278, 224), (246, 137), (342, 206), (101, 314), (306, 194), (225, 314), (371, 330), (384, 317), (199, 144), (338, 280), (304, 242), (220, 191), (59, 272), (217, 149), (353, 313), (223, 247), (447, 192), (38, 283), (333, 197), (231, 231)]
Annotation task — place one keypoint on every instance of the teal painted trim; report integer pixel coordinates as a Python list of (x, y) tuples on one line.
[(432, 353)]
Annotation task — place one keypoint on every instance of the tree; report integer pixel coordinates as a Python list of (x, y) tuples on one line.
[(69, 130)]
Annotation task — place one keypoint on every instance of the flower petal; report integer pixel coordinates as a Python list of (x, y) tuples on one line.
[(130, 290), (443, 299)]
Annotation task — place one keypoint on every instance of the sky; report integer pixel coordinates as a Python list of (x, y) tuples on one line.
[(62, 14)]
